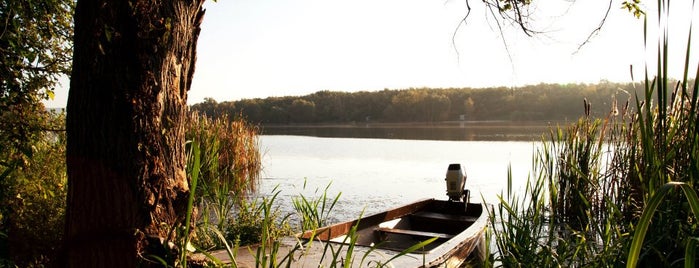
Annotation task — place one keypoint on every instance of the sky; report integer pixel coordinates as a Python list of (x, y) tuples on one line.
[(262, 48)]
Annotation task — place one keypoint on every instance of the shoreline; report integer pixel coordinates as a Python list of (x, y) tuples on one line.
[(451, 131)]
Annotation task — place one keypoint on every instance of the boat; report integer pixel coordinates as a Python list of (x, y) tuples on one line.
[(454, 228)]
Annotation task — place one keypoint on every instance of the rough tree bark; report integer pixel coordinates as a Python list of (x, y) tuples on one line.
[(132, 67)]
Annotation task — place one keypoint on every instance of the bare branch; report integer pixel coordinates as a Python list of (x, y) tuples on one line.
[(518, 16), (596, 30), (456, 30), (502, 36)]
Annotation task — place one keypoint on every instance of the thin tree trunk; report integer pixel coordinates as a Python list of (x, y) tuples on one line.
[(132, 67)]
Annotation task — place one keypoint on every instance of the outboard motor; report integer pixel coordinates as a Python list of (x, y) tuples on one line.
[(456, 180)]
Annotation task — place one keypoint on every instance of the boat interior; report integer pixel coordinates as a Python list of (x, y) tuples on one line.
[(401, 228)]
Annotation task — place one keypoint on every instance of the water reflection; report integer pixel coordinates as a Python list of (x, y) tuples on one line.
[(451, 131)]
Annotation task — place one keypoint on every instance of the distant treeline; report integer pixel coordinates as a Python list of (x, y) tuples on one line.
[(535, 102)]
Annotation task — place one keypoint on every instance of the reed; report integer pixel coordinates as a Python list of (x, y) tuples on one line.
[(230, 163), (232, 217), (665, 157), (600, 193), (314, 212)]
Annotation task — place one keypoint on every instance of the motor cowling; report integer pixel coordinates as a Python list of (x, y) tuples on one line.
[(456, 180)]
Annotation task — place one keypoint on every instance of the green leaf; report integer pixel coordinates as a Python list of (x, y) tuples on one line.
[(690, 252), (50, 94), (647, 216)]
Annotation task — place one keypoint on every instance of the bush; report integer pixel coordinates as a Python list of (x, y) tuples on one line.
[(255, 221), (33, 195)]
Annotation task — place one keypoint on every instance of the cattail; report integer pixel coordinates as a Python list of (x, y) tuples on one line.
[(588, 106), (615, 109)]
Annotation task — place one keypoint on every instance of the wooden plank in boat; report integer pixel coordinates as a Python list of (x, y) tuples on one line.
[(444, 217), (413, 232)]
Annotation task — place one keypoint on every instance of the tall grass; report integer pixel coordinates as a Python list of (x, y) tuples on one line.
[(314, 212), (666, 156), (568, 212), (223, 166), (599, 183), (270, 250), (229, 168)]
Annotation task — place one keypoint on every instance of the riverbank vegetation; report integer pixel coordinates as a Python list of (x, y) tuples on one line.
[(616, 190), (36, 46), (548, 102), (617, 187), (32, 190)]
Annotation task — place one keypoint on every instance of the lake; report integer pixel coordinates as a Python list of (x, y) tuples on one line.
[(451, 130), (374, 174)]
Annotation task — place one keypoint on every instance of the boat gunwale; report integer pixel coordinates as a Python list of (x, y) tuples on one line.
[(342, 228)]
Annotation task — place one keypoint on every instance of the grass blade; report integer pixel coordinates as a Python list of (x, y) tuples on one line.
[(690, 252), (651, 207)]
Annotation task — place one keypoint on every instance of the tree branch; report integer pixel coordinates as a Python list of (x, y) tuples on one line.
[(456, 30), (596, 30)]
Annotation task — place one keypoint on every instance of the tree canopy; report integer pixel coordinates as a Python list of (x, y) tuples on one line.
[(36, 46), (535, 102), (36, 49)]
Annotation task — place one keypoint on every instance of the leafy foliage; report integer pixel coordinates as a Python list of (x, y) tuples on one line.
[(536, 102), (32, 196), (634, 7), (35, 44)]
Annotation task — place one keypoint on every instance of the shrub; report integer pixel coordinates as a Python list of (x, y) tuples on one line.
[(33, 195)]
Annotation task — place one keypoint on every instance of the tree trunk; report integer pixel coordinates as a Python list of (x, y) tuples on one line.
[(132, 67)]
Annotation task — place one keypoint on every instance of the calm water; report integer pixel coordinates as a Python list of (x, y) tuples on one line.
[(375, 174), (454, 130)]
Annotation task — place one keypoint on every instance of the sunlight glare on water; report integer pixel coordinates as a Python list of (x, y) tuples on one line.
[(377, 174)]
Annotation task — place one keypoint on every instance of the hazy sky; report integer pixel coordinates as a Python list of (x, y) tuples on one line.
[(261, 48)]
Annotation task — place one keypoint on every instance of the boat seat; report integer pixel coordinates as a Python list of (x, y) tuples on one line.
[(444, 217), (413, 233)]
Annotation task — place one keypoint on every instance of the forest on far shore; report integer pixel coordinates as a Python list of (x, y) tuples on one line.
[(528, 103)]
